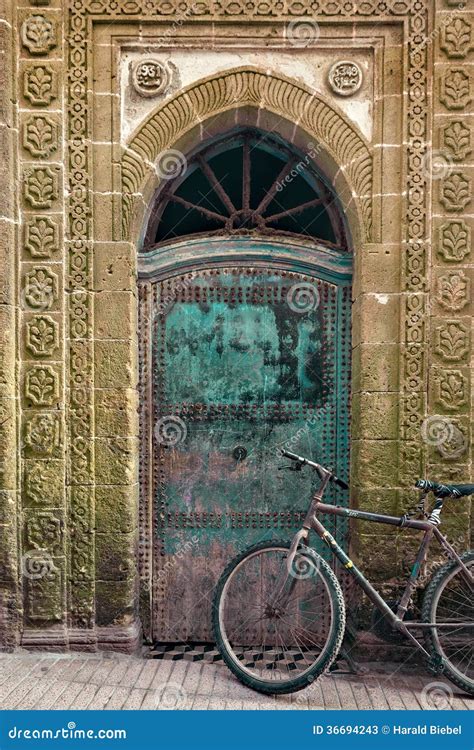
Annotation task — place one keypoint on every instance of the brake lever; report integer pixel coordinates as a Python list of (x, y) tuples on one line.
[(291, 467)]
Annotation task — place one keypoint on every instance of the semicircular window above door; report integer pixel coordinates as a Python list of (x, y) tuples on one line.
[(245, 182), (238, 358)]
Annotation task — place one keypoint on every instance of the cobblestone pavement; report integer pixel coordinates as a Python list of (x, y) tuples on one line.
[(54, 681)]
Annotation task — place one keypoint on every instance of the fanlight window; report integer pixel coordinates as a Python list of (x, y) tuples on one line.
[(247, 182)]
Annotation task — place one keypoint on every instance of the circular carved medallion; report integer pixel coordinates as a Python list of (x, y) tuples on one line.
[(150, 77), (345, 78)]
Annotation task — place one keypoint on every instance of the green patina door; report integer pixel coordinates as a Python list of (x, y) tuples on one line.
[(243, 361)]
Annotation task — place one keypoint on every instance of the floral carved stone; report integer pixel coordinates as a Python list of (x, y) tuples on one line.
[(42, 385), (43, 482), (454, 241), (42, 335), (453, 290), (345, 78), (43, 433), (455, 89), (41, 236), (40, 84), (452, 340), (150, 78), (457, 139), (38, 34), (41, 288), (451, 389), (456, 37), (40, 136), (43, 598), (43, 530), (41, 186), (455, 191)]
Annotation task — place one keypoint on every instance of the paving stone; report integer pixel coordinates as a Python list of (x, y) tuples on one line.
[(84, 698), (117, 699), (134, 700), (46, 681)]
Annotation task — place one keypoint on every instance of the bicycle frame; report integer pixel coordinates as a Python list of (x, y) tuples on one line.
[(311, 522)]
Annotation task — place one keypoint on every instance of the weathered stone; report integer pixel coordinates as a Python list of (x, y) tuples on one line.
[(115, 315), (114, 266), (116, 602), (375, 415), (115, 412), (116, 556), (116, 461), (116, 508)]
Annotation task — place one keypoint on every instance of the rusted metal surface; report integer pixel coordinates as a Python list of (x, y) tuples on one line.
[(242, 374)]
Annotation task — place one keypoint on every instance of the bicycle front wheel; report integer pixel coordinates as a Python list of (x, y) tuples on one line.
[(449, 601), (278, 626)]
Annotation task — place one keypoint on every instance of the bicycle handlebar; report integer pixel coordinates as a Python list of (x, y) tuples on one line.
[(320, 469)]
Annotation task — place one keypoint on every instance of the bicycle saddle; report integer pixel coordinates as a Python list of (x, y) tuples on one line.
[(445, 490)]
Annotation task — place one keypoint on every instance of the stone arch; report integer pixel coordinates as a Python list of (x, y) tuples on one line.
[(342, 144)]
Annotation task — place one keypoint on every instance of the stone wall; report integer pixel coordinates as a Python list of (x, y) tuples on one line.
[(79, 144)]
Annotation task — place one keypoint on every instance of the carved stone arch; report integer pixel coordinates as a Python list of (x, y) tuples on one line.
[(243, 88)]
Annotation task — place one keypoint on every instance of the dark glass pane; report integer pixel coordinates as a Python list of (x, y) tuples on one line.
[(312, 222), (228, 168), (178, 221), (264, 170)]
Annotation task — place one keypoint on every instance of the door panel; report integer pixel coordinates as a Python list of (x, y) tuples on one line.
[(243, 362)]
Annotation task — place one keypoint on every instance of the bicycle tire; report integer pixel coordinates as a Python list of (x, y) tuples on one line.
[(428, 614), (336, 629)]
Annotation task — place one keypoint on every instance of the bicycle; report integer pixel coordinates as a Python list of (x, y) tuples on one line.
[(279, 610)]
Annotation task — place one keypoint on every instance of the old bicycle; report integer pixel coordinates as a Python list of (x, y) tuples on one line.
[(279, 610)]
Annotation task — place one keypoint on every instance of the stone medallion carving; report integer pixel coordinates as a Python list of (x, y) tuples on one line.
[(150, 78), (345, 78)]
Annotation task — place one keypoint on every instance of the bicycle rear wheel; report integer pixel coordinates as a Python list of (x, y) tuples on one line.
[(278, 627), (449, 599)]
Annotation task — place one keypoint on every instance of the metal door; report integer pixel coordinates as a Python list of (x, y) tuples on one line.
[(241, 362)]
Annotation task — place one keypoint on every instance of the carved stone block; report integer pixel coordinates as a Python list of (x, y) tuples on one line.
[(40, 84), (40, 288), (452, 340), (455, 88), (44, 597), (38, 34), (454, 241), (456, 37), (451, 389), (456, 139), (43, 530), (40, 135), (42, 385), (41, 186), (42, 434), (44, 483), (453, 291), (42, 336), (455, 191), (41, 236)]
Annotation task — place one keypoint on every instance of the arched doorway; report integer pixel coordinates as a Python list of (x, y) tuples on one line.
[(245, 290)]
